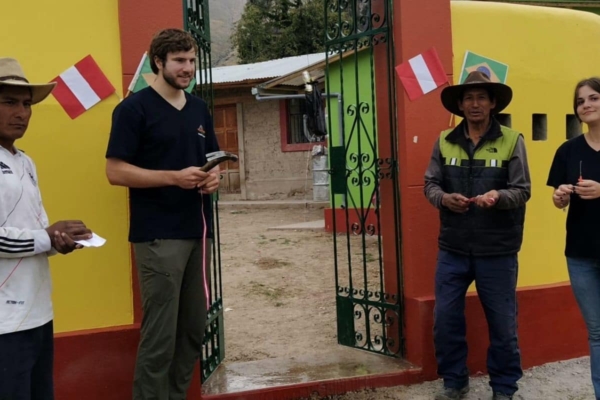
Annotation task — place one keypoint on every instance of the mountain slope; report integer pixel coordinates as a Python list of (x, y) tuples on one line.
[(223, 15)]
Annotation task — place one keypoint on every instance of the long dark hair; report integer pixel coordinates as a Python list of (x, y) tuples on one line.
[(593, 83)]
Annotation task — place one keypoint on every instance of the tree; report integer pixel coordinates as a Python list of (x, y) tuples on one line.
[(270, 29)]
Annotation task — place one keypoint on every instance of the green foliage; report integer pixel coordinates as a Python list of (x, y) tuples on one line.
[(271, 29)]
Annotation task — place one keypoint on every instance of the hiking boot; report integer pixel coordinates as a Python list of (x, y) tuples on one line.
[(501, 396), (452, 394)]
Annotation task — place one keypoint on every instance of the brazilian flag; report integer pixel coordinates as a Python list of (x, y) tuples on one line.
[(496, 70), (144, 77)]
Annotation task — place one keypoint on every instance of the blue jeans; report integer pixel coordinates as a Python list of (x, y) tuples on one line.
[(496, 282), (585, 282)]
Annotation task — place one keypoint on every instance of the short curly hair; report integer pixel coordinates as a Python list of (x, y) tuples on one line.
[(170, 41)]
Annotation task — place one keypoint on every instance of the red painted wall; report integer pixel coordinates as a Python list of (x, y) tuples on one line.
[(419, 25), (95, 364), (139, 21), (424, 118), (550, 329), (99, 364)]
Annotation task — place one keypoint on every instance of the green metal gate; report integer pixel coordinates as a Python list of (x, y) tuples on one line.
[(364, 175), (197, 22)]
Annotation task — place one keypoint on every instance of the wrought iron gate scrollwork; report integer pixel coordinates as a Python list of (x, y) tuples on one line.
[(197, 22), (369, 303)]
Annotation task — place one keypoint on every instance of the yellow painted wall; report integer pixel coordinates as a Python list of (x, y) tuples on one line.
[(92, 287), (548, 51)]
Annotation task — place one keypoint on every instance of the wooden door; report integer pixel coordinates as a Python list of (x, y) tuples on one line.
[(226, 129)]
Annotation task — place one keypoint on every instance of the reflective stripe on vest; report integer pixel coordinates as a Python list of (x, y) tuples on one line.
[(492, 153)]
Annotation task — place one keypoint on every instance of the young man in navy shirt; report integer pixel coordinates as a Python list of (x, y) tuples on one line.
[(159, 138)]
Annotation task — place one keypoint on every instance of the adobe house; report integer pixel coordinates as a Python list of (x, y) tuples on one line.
[(274, 154)]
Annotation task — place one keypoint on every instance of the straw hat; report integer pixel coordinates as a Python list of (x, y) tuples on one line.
[(11, 74)]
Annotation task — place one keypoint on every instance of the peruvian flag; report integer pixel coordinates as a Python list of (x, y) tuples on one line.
[(422, 74), (81, 87)]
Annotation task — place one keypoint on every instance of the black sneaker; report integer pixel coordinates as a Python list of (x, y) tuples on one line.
[(501, 396), (452, 394)]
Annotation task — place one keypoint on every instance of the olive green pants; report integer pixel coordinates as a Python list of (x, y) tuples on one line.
[(173, 289)]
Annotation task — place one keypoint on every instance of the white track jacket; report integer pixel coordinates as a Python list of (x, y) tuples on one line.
[(25, 286)]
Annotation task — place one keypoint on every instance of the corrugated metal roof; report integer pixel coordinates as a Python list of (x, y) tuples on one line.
[(265, 69)]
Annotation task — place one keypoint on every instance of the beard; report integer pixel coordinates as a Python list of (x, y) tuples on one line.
[(172, 81)]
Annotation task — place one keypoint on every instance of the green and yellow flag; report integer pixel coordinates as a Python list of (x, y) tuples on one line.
[(496, 70), (144, 77)]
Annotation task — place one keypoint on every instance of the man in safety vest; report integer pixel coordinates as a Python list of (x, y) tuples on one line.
[(479, 180)]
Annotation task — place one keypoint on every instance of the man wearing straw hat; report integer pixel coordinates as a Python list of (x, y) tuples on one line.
[(478, 178), (26, 241)]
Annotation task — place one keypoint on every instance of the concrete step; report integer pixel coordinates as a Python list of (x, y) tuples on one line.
[(318, 225), (274, 204)]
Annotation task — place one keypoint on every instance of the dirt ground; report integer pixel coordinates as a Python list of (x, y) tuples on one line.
[(278, 286), (565, 380), (279, 298)]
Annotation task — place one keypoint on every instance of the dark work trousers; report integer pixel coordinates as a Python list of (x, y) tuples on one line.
[(173, 289), (26, 359), (496, 282)]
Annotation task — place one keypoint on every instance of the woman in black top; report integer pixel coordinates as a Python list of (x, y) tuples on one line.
[(574, 175)]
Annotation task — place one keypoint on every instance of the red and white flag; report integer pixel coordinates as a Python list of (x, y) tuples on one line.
[(422, 74), (81, 87)]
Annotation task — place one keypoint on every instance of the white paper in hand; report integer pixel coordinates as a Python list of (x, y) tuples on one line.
[(95, 241)]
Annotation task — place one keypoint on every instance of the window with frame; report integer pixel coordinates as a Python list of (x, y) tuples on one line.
[(296, 110), (292, 126)]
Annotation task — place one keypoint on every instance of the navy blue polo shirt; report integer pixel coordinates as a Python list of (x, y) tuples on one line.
[(148, 132)]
